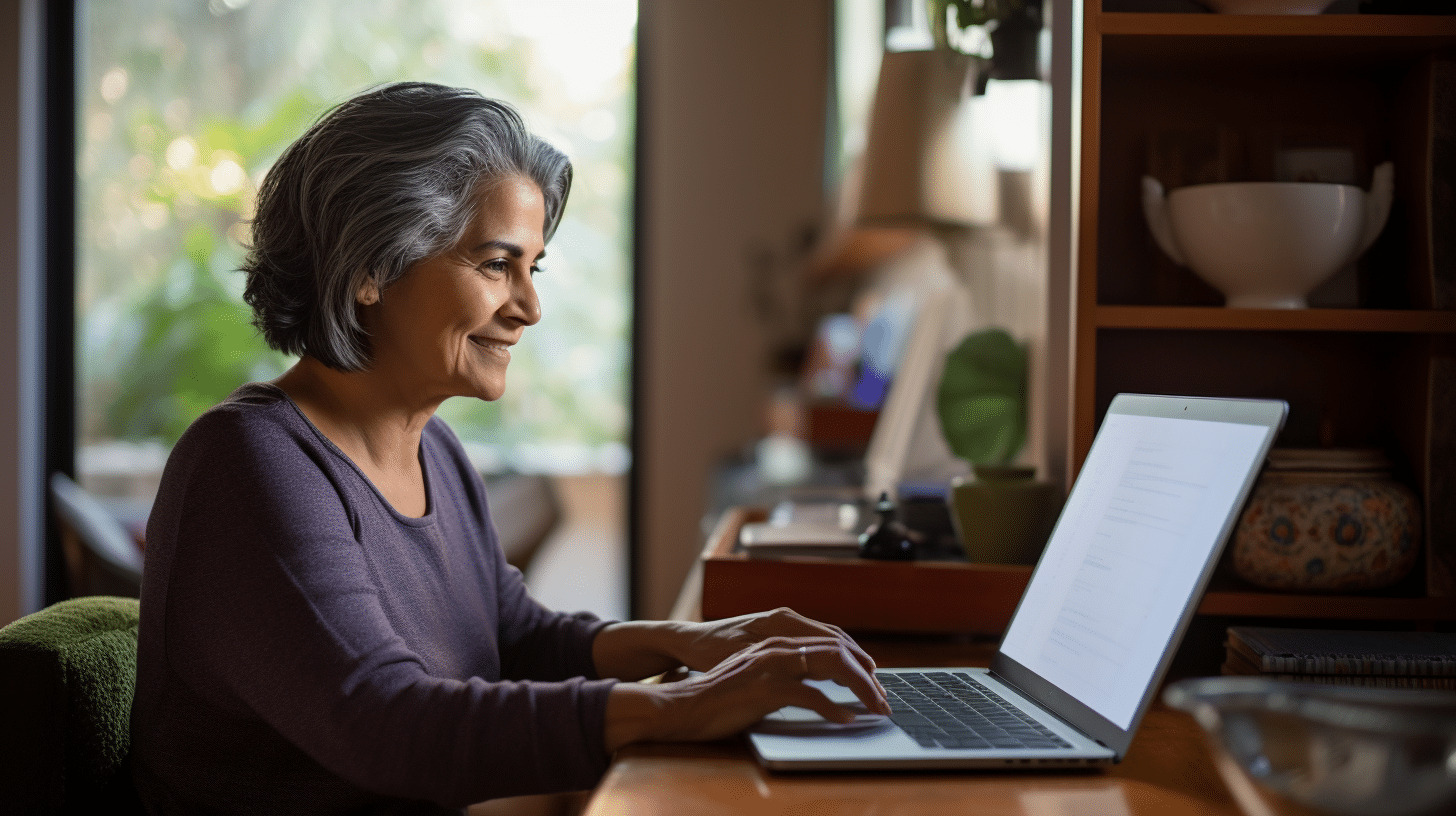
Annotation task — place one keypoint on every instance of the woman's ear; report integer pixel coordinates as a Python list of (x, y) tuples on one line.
[(368, 293)]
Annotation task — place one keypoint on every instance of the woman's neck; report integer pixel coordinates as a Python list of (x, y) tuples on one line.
[(372, 423)]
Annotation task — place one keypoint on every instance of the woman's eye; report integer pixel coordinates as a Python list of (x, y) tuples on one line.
[(502, 266)]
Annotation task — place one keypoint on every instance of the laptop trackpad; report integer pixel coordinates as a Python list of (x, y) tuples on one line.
[(801, 722), (792, 721)]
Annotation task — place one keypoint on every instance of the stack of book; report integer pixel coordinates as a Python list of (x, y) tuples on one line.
[(1352, 658)]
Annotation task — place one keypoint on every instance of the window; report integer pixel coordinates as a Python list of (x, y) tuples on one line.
[(182, 107)]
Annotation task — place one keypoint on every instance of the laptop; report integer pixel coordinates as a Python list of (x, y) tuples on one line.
[(1102, 615)]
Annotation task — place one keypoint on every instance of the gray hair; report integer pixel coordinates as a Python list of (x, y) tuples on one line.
[(380, 182)]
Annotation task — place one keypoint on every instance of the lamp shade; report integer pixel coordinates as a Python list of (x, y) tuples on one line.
[(918, 165)]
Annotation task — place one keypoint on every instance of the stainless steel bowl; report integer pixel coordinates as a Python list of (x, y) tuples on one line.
[(1340, 750)]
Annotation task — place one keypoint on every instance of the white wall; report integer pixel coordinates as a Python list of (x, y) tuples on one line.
[(733, 125)]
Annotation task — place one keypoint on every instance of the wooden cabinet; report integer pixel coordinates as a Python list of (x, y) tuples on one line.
[(1196, 97)]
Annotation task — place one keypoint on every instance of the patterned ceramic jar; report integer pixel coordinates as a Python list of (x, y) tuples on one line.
[(1327, 520)]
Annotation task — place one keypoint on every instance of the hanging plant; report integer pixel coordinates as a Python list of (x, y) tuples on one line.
[(1013, 27)]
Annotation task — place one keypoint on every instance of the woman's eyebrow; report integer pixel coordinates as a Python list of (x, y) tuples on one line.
[(513, 250)]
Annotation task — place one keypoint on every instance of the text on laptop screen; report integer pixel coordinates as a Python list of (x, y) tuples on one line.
[(1136, 533)]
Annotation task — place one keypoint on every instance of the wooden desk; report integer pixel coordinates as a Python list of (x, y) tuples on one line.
[(1168, 771)]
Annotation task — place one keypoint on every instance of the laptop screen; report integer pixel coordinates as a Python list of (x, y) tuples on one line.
[(1150, 505)]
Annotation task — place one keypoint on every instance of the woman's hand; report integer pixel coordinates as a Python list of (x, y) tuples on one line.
[(632, 650), (740, 689), (707, 644)]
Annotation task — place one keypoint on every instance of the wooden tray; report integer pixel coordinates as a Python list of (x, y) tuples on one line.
[(857, 594)]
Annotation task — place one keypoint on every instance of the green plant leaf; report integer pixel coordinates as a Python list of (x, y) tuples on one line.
[(982, 398)]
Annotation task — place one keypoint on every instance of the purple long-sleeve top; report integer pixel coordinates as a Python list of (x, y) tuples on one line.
[(305, 648)]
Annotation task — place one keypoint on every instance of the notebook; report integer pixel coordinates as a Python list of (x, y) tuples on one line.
[(1344, 657), (1103, 612)]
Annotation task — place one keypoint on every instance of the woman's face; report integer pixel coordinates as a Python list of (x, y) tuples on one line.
[(446, 327)]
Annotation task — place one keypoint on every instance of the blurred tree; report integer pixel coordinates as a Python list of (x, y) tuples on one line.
[(184, 104)]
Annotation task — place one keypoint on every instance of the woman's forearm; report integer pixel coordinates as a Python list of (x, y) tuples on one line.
[(634, 714), (633, 650)]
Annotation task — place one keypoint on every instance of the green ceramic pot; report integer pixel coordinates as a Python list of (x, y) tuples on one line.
[(1003, 515)]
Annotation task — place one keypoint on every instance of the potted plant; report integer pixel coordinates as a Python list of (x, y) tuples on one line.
[(1002, 515)]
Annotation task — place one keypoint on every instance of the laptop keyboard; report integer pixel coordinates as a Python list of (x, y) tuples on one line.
[(953, 710)]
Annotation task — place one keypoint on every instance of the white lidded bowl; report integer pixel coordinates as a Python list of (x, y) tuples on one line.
[(1267, 245)]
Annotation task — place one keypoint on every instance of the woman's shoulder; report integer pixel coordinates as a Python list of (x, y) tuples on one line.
[(440, 445), (256, 412), (441, 433), (254, 394), (440, 442)]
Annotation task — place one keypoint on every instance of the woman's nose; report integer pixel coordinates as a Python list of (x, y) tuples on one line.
[(524, 305)]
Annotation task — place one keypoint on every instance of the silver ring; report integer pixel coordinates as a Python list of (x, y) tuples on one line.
[(804, 656)]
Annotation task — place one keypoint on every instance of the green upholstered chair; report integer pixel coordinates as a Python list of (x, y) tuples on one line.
[(67, 675)]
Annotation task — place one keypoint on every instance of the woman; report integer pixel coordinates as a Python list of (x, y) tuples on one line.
[(328, 623)]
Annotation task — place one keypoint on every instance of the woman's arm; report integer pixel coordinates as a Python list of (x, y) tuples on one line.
[(274, 608), (633, 650)]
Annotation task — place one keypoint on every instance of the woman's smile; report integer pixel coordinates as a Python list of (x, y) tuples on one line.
[(492, 346)]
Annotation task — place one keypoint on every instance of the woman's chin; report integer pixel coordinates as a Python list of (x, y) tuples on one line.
[(489, 393)]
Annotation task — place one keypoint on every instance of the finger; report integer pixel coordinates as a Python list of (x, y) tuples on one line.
[(860, 655), (829, 630), (847, 649), (818, 702), (832, 662), (786, 622)]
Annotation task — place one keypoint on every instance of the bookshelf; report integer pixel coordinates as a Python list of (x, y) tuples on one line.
[(1369, 367)]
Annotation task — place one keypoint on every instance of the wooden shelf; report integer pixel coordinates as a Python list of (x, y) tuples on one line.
[(1290, 43), (1115, 23), (961, 597), (1327, 607), (1215, 317)]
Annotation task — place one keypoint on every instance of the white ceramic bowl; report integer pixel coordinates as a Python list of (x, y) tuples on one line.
[(1266, 245), (1268, 6)]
